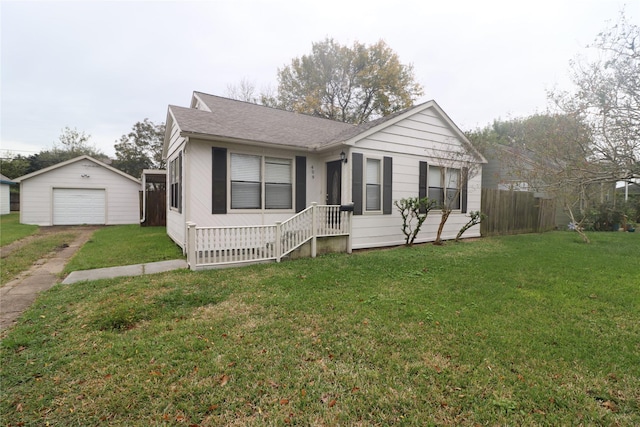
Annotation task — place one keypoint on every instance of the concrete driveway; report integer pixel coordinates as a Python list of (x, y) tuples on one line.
[(20, 293)]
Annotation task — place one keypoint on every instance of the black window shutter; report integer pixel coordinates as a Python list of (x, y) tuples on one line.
[(219, 183), (387, 186), (422, 184), (463, 190), (356, 179), (179, 189), (301, 183)]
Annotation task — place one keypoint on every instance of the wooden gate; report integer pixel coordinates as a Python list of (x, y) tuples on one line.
[(156, 204)]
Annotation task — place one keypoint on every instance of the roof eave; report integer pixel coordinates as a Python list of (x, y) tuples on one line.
[(231, 140)]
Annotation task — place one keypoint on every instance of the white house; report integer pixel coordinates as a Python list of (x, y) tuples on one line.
[(233, 164), (5, 198), (82, 190)]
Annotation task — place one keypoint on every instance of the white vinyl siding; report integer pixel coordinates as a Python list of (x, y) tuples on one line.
[(373, 185), (5, 199), (121, 194)]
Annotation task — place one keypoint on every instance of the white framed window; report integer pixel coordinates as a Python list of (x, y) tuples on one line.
[(259, 182), (373, 185), (175, 183), (277, 183), (444, 186)]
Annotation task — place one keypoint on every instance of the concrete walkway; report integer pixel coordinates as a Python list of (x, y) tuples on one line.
[(17, 295), (127, 270)]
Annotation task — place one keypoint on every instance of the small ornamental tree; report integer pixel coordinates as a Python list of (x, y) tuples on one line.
[(475, 218), (412, 217)]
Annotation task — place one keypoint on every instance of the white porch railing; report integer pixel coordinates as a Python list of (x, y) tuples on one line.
[(216, 246)]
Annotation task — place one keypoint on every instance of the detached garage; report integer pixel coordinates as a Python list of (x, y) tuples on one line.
[(79, 191)]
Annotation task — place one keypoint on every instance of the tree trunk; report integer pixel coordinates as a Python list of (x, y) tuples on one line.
[(443, 220)]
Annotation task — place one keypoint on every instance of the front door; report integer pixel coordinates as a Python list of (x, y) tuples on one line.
[(334, 182)]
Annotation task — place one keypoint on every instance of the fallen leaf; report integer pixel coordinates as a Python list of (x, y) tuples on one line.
[(303, 392), (332, 403), (224, 379), (355, 389), (19, 407), (610, 406), (284, 401)]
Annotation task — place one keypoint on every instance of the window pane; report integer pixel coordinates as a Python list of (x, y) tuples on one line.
[(373, 171), (453, 198), (435, 177), (437, 195), (245, 195), (373, 197), (452, 178), (245, 168), (278, 196), (277, 170)]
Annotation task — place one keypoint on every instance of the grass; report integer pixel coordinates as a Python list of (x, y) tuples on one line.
[(23, 258), (124, 245), (11, 229), (517, 330)]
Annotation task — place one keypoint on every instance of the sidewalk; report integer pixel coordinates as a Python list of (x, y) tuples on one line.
[(127, 270), (17, 295)]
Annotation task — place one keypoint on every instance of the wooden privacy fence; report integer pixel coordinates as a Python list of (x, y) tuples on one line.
[(215, 246), (515, 212), (153, 211)]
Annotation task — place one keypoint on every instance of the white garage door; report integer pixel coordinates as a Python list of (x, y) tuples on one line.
[(78, 206)]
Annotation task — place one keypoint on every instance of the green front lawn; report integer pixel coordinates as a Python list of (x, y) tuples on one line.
[(124, 245), (11, 229), (518, 330)]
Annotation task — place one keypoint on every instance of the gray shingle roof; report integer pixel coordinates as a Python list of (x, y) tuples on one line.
[(246, 121), (251, 122)]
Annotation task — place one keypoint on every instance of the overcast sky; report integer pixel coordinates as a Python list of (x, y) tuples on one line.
[(100, 67)]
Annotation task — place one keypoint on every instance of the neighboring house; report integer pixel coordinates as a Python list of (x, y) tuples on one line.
[(82, 190), (627, 189), (233, 163), (5, 200), (508, 168)]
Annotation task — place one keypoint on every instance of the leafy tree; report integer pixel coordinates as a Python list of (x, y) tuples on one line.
[(351, 84), (14, 166), (141, 148), (551, 153), (71, 143), (606, 98)]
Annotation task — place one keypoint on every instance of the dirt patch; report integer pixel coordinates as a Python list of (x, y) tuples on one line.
[(44, 231)]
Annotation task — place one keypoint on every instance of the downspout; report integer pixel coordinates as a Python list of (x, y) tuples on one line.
[(144, 198)]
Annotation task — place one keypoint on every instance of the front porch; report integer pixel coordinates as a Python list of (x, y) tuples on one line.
[(215, 247)]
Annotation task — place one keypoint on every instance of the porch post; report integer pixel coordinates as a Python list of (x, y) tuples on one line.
[(191, 245), (278, 241), (314, 229), (350, 231)]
